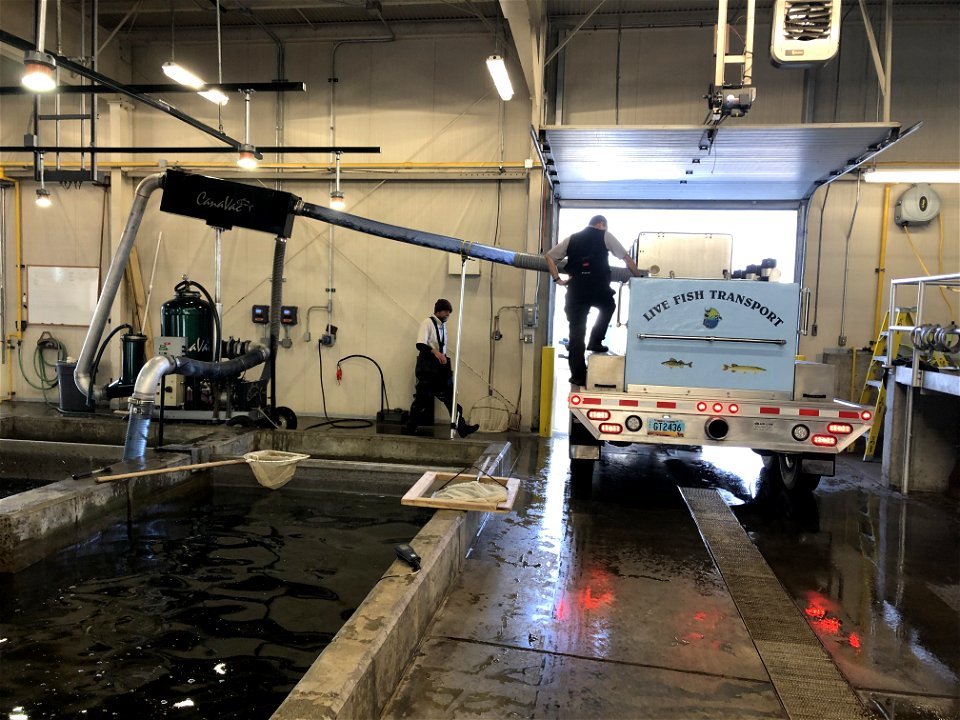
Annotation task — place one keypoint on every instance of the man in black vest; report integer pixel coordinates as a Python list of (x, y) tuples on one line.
[(588, 286), (434, 373)]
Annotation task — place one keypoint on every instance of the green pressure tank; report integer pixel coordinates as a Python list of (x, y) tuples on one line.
[(189, 316)]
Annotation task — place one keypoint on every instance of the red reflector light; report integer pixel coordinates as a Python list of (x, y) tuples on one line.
[(808, 412), (849, 414), (866, 415), (629, 403), (717, 407), (824, 440), (840, 428), (734, 408), (575, 399), (666, 405), (769, 411), (615, 428), (598, 414), (591, 401), (702, 406)]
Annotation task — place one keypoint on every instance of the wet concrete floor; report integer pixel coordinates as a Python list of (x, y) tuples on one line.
[(610, 606)]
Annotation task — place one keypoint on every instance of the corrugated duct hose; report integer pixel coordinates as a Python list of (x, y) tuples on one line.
[(525, 261), (142, 401)]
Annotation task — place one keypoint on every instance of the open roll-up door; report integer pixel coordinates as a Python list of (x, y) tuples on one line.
[(708, 166)]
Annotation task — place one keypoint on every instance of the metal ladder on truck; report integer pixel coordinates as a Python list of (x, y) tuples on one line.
[(874, 391)]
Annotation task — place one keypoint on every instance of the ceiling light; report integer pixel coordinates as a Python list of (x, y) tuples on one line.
[(38, 72), (336, 200), (912, 175), (214, 96), (498, 71), (181, 75), (247, 159), (43, 198)]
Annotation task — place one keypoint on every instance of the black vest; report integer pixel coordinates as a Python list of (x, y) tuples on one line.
[(587, 256)]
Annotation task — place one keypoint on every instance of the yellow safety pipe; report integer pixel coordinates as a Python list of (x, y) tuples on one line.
[(881, 265), (18, 335), (547, 355)]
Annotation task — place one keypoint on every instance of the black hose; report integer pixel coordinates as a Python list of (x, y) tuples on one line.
[(189, 367), (96, 362), (355, 423), (215, 349), (383, 385)]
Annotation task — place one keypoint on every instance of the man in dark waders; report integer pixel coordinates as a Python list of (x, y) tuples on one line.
[(588, 286), (434, 373)]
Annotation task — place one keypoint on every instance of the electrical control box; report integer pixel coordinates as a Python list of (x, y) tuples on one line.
[(531, 316), (260, 314), (289, 314)]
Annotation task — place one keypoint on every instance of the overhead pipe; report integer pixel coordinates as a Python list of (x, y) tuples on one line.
[(525, 261)]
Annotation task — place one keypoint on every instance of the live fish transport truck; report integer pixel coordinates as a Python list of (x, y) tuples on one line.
[(712, 362)]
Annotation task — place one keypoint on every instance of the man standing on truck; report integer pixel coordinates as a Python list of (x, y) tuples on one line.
[(588, 286)]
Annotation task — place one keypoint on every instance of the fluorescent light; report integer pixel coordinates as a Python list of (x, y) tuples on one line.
[(38, 72), (247, 159), (498, 71), (912, 175), (336, 200), (214, 96), (43, 198), (181, 75)]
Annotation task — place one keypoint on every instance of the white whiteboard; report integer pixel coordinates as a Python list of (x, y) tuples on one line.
[(61, 295)]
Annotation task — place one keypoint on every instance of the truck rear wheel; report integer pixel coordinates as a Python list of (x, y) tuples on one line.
[(794, 479)]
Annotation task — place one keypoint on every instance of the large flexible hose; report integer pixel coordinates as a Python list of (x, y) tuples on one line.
[(525, 261), (142, 402), (81, 374)]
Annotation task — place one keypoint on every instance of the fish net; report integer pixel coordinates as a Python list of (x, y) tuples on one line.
[(273, 468)]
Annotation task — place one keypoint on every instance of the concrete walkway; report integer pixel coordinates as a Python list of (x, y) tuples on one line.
[(612, 607)]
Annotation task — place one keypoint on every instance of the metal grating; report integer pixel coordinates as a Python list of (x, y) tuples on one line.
[(694, 163), (809, 685)]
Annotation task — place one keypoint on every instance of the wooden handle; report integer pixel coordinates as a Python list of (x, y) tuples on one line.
[(172, 468)]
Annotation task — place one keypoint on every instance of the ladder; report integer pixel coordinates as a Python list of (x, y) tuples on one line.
[(874, 391)]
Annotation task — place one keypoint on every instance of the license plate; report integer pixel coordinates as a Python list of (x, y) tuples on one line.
[(665, 428)]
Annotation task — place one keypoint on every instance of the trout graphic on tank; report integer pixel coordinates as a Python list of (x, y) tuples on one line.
[(674, 363)]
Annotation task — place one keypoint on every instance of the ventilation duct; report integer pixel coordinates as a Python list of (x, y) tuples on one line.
[(805, 32)]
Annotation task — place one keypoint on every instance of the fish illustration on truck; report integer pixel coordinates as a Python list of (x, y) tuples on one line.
[(711, 318), (733, 367), (674, 363)]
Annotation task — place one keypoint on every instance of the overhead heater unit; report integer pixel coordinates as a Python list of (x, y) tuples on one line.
[(805, 32)]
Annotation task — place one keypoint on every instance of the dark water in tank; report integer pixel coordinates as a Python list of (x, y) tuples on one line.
[(213, 609)]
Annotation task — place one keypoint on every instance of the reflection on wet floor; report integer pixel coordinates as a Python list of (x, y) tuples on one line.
[(610, 606)]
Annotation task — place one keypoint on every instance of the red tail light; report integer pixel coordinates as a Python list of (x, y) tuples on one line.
[(734, 408), (702, 406), (611, 428), (866, 415), (840, 428), (824, 440), (717, 407), (575, 399), (598, 414)]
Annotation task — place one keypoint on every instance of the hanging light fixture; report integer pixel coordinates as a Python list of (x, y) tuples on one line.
[(43, 195), (38, 70), (179, 74), (38, 66), (498, 71), (214, 96), (247, 158), (336, 196)]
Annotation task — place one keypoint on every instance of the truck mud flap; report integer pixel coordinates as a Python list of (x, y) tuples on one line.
[(583, 445), (823, 465)]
